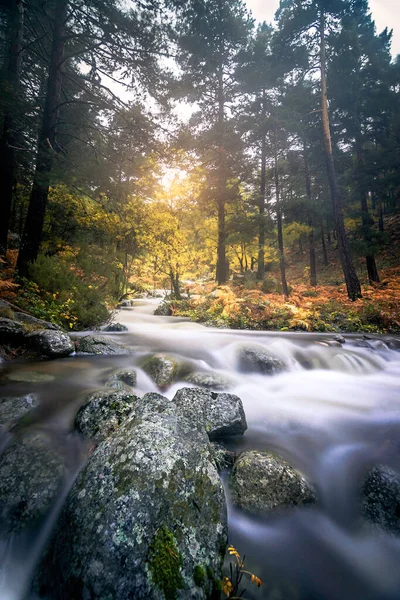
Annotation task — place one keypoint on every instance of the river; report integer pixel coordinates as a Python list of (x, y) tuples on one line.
[(333, 414)]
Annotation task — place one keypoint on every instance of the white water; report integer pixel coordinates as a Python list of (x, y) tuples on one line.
[(332, 414)]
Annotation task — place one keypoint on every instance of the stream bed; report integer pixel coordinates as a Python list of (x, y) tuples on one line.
[(333, 414)]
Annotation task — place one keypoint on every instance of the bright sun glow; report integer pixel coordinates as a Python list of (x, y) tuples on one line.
[(172, 175)]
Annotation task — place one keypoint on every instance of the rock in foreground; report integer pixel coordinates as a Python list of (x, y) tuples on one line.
[(219, 415), (262, 481), (381, 498), (97, 344), (51, 343), (13, 408), (144, 519), (103, 412)]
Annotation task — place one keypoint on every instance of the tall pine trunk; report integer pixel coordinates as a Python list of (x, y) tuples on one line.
[(367, 221), (350, 275), (8, 140), (263, 187), (33, 229), (324, 250), (222, 273), (311, 240), (282, 267)]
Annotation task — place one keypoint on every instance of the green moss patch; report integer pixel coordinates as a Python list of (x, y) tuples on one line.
[(165, 563)]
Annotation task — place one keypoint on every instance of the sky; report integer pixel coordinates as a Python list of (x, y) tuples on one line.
[(386, 13)]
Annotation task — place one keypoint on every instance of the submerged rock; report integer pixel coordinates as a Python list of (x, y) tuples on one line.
[(256, 359), (146, 515), (53, 344), (97, 344), (213, 381), (115, 327), (29, 376), (12, 409), (262, 481), (161, 368), (381, 498), (31, 477), (122, 380), (103, 413), (219, 415)]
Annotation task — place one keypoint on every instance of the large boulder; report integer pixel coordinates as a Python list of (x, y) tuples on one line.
[(122, 379), (11, 332), (103, 412), (381, 498), (31, 477), (256, 359), (146, 518), (115, 327), (13, 408), (162, 369), (50, 343), (97, 344), (210, 380), (262, 481), (220, 415), (33, 322)]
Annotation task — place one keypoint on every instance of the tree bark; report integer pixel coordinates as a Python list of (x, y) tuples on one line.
[(282, 267), (311, 240), (367, 221), (263, 187), (325, 253), (33, 229), (350, 275), (222, 271), (8, 141)]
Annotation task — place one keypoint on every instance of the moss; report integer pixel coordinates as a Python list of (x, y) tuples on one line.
[(199, 575), (165, 563), (6, 313)]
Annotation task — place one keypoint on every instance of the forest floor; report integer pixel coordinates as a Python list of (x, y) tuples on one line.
[(246, 304)]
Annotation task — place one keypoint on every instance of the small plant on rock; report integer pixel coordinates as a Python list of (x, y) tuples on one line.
[(231, 585)]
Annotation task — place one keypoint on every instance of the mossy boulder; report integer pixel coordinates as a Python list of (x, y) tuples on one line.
[(210, 380), (97, 344), (164, 310), (13, 408), (31, 478), (381, 498), (103, 412), (122, 380), (220, 415), (162, 369), (51, 343), (257, 359), (263, 481), (145, 511)]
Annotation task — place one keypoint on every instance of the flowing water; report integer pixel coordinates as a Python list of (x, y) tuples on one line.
[(333, 414)]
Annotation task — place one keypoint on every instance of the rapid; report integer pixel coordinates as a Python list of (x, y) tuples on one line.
[(333, 414)]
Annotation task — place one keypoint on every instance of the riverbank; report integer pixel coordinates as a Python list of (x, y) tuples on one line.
[(248, 305)]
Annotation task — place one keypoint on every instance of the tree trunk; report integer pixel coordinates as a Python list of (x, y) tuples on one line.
[(222, 273), (175, 285), (8, 141), (311, 242), (325, 253), (32, 235), (263, 187), (367, 222), (285, 290), (350, 275)]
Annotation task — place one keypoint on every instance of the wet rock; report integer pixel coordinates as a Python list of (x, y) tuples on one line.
[(11, 331), (125, 304), (219, 415), (26, 319), (53, 344), (31, 477), (164, 310), (262, 481), (393, 343), (115, 327), (103, 413), (29, 376), (213, 381), (122, 380), (161, 368), (11, 409), (381, 498), (144, 516), (97, 344), (256, 359), (224, 458)]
